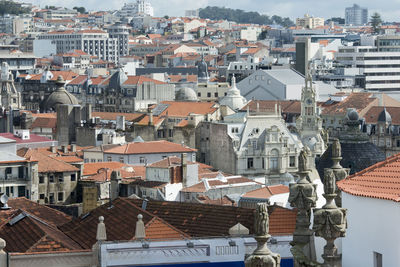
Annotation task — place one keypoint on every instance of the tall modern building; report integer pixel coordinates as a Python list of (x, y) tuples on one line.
[(356, 15), (138, 8)]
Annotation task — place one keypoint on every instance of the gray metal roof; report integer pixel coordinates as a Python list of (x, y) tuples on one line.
[(286, 76)]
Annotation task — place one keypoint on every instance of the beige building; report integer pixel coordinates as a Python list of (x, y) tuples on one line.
[(310, 22)]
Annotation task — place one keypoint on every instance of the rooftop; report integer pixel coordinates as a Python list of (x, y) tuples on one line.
[(151, 147), (381, 180)]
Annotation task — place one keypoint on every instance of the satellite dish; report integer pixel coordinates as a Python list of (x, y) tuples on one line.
[(4, 200)]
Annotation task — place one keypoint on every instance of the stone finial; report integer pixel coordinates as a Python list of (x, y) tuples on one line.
[(2, 245), (336, 148), (238, 230), (60, 80), (330, 221), (3, 254), (261, 223), (303, 161), (140, 231), (101, 230), (262, 256)]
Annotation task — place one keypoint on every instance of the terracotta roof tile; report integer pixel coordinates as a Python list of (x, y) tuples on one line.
[(113, 115), (93, 168), (381, 180), (43, 122), (138, 80), (371, 117), (50, 215), (46, 163), (124, 215), (267, 192), (37, 235)]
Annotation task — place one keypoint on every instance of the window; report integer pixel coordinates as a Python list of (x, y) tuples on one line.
[(60, 196), (51, 178), (73, 177), (378, 259), (170, 132), (273, 163), (61, 178), (263, 163), (142, 160), (199, 94), (292, 161), (208, 94), (121, 159), (109, 158), (216, 94), (51, 198), (41, 179), (250, 163), (41, 196), (254, 143)]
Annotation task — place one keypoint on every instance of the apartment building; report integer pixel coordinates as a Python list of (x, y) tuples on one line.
[(93, 42), (356, 15), (310, 22), (379, 66)]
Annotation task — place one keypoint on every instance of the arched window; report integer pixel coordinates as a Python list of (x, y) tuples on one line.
[(274, 160)]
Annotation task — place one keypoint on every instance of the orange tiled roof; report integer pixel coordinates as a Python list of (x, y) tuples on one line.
[(267, 192), (93, 168), (371, 117), (67, 75), (358, 101), (149, 148), (381, 180), (43, 122), (46, 163), (50, 215), (113, 115), (37, 235), (138, 80), (184, 109), (124, 214)]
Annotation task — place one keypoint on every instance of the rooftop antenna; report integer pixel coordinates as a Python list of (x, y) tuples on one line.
[(4, 200)]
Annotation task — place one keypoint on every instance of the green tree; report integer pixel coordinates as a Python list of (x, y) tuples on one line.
[(240, 16), (11, 7), (81, 9), (376, 22)]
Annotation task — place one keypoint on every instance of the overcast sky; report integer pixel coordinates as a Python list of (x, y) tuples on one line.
[(389, 9)]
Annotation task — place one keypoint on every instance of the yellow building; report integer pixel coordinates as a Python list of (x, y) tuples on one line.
[(309, 22)]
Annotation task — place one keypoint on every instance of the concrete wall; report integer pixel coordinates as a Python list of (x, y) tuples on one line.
[(134, 159), (372, 227), (222, 154)]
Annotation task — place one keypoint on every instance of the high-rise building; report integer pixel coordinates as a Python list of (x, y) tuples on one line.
[(356, 15), (139, 8), (120, 32), (93, 42)]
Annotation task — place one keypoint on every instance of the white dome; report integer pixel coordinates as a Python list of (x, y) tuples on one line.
[(233, 98), (186, 94)]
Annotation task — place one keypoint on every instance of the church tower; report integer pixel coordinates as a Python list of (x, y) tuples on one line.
[(309, 124)]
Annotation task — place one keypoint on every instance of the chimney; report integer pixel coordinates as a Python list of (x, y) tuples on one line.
[(73, 148), (184, 169), (101, 230), (150, 117), (114, 188), (64, 149), (140, 232), (53, 149)]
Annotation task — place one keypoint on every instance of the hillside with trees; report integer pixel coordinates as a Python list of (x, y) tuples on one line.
[(241, 16), (12, 8)]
